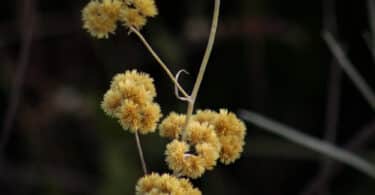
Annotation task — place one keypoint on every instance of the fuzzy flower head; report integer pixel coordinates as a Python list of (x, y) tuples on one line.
[(171, 126), (183, 162), (135, 13), (130, 100), (146, 7), (155, 184), (198, 133), (207, 116), (135, 78), (222, 131), (231, 132), (132, 18), (131, 85), (229, 129), (134, 85), (141, 118), (206, 142), (100, 18)]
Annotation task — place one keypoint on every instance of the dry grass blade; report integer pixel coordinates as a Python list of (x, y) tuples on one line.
[(307, 141)]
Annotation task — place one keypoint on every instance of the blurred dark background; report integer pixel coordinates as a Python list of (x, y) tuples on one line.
[(269, 57)]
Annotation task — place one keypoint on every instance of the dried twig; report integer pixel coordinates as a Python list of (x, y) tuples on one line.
[(296, 136)]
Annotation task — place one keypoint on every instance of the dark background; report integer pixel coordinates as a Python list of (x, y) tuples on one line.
[(269, 56)]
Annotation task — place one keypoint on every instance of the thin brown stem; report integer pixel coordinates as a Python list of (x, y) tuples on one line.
[(157, 58), (140, 152)]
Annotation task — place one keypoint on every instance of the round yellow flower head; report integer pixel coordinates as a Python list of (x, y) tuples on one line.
[(111, 102), (155, 184), (132, 18), (130, 99), (171, 126), (198, 133), (151, 115), (187, 188), (100, 18), (131, 85), (208, 116), (135, 13), (209, 154), (182, 162), (141, 118), (133, 78), (206, 142), (232, 147), (231, 132), (146, 7)]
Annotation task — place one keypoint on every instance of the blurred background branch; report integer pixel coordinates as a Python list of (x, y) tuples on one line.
[(27, 21)]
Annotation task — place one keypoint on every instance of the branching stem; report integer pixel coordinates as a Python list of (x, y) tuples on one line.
[(157, 58), (189, 98), (202, 69)]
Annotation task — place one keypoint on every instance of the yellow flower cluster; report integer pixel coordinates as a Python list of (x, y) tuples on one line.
[(100, 17), (155, 184), (198, 141), (214, 135), (192, 165), (130, 100), (230, 130)]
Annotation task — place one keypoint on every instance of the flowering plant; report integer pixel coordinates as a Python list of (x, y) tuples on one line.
[(198, 140)]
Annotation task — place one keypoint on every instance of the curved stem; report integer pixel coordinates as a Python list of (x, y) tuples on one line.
[(140, 152), (157, 58), (202, 69)]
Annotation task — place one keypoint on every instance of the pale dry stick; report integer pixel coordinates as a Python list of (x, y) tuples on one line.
[(202, 69), (157, 58), (348, 67), (316, 145), (140, 152)]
